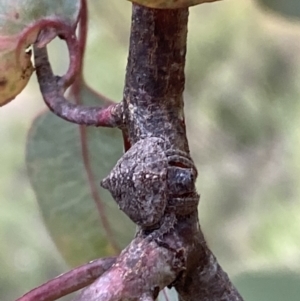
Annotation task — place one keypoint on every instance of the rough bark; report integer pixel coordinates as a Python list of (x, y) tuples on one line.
[(153, 107)]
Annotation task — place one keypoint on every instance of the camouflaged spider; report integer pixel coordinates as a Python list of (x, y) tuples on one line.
[(148, 178)]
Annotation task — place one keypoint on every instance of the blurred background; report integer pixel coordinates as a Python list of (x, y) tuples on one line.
[(242, 104)]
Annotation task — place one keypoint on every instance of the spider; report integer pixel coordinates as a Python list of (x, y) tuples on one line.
[(149, 181)]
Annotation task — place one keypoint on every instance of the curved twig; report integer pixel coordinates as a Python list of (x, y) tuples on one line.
[(142, 270), (69, 282), (53, 87)]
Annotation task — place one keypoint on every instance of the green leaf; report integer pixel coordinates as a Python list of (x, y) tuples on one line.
[(63, 176), (287, 8), (170, 3), (168, 295), (264, 286), (20, 24)]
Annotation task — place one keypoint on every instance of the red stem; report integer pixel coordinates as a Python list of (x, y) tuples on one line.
[(52, 91), (69, 282)]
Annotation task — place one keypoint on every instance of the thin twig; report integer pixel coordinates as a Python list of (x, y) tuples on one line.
[(52, 89), (69, 282)]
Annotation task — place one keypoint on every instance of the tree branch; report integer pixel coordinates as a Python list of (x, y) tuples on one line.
[(69, 282), (153, 107), (52, 90), (153, 101), (140, 272)]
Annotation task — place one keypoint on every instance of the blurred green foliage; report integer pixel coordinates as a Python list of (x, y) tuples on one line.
[(82, 218), (287, 8), (242, 113), (275, 285)]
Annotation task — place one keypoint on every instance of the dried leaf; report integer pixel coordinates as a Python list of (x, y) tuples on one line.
[(20, 24)]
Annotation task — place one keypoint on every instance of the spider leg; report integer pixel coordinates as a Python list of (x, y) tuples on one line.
[(177, 157), (177, 152), (184, 205)]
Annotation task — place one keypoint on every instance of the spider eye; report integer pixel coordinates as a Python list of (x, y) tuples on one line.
[(181, 180)]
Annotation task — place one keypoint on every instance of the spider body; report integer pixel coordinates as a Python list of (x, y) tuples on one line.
[(147, 177)]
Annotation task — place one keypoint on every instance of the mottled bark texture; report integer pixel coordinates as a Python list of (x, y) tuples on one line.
[(153, 107), (169, 249), (153, 102)]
